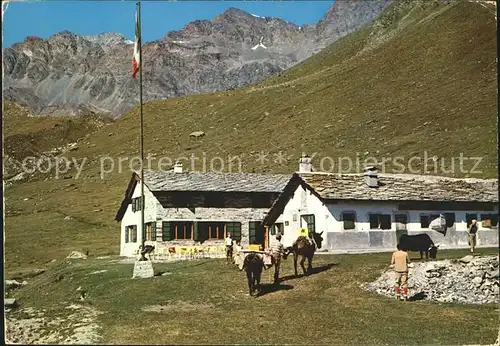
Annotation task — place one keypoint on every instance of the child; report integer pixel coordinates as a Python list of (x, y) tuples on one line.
[(400, 261), (471, 231)]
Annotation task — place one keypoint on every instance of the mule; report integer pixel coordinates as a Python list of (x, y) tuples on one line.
[(229, 254), (305, 250), (253, 266)]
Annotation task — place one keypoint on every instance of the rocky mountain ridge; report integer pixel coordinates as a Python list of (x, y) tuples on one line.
[(71, 74)]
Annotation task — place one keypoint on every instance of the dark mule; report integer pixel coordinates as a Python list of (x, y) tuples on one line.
[(229, 254), (419, 243), (253, 265), (305, 250)]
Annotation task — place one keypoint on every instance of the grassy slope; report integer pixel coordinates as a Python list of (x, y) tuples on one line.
[(26, 135), (422, 77), (325, 308)]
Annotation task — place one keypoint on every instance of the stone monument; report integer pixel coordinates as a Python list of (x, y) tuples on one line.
[(143, 269)]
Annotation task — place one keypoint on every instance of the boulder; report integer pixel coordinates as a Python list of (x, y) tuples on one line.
[(197, 134), (10, 303), (466, 259), (76, 255), (14, 284)]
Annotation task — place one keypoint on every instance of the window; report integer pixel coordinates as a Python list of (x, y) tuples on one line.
[(181, 230), (216, 231), (150, 231), (277, 228), (426, 219), (235, 229), (309, 221), (256, 232), (380, 221), (349, 220), (401, 221), (213, 231), (489, 221), (136, 204), (131, 234), (469, 217), (450, 219)]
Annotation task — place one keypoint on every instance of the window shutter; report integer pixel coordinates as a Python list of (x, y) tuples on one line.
[(166, 230), (133, 205), (272, 230), (236, 231), (153, 234), (252, 232), (126, 234), (195, 231), (134, 230)]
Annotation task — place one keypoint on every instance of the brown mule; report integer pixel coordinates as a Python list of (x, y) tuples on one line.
[(305, 250)]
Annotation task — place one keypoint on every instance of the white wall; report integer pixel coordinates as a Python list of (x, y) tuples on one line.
[(134, 218), (303, 202), (155, 212), (328, 220)]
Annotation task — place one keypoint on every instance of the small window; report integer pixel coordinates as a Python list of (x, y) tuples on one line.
[(426, 219), (150, 231), (131, 234), (349, 220), (309, 222), (489, 221), (401, 221), (136, 204), (450, 219), (380, 221), (277, 228), (469, 217)]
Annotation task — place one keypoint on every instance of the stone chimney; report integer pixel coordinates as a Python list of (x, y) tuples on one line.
[(178, 167), (371, 176), (305, 165)]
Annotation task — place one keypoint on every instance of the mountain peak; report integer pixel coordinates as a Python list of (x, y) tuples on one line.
[(108, 39), (235, 11)]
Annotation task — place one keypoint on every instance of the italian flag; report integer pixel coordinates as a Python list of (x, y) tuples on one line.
[(136, 61)]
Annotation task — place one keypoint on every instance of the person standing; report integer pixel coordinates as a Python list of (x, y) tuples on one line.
[(472, 231), (400, 261), (277, 250), (229, 247)]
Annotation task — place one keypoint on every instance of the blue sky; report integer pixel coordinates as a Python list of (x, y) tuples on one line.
[(45, 18)]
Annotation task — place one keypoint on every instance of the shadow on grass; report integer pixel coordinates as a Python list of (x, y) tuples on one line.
[(314, 270), (417, 296), (270, 288)]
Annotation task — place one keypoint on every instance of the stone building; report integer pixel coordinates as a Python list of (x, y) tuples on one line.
[(185, 209), (370, 211)]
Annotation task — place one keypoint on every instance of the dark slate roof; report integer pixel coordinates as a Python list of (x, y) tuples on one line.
[(209, 181), (394, 187)]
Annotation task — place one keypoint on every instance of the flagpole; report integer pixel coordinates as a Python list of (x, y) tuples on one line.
[(142, 124)]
